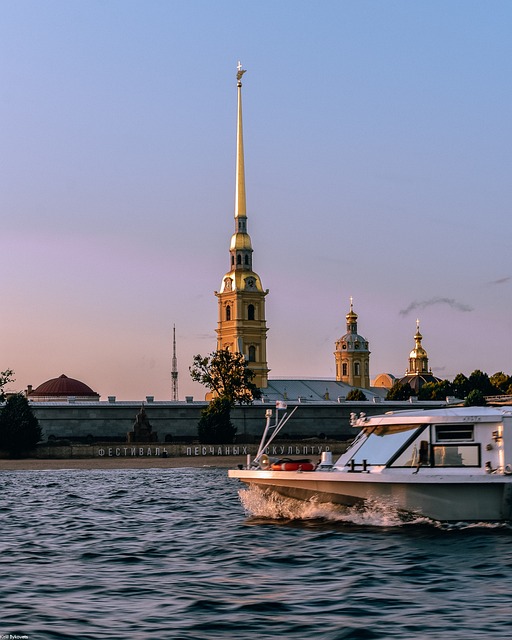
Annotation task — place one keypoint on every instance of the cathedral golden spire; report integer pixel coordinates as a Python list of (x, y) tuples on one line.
[(242, 326), (240, 206), (241, 247)]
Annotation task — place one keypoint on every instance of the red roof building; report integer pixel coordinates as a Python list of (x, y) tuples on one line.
[(61, 389)]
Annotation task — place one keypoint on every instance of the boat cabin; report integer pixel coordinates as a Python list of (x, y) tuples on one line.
[(471, 438)]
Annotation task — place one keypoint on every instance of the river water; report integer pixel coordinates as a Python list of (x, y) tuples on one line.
[(188, 554)]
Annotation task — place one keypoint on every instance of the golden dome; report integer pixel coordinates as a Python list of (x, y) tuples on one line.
[(241, 281), (240, 241), (418, 352)]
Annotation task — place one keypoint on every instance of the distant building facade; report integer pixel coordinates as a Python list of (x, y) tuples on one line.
[(175, 422)]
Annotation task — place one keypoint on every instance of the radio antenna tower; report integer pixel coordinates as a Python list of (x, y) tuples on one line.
[(174, 370)]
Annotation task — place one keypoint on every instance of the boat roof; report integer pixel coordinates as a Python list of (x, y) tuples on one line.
[(475, 414)]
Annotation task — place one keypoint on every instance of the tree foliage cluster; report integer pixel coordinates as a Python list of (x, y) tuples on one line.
[(356, 395), (5, 377), (229, 379), (227, 375), (19, 428), (472, 389)]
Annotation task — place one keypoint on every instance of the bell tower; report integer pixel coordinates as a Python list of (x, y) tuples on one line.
[(241, 323), (352, 355)]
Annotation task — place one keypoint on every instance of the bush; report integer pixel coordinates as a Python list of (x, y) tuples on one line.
[(19, 428), (215, 426), (399, 391), (475, 398), (356, 395)]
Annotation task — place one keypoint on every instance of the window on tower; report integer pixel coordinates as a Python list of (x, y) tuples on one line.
[(246, 259), (357, 369), (250, 312), (252, 353), (228, 312), (239, 259), (345, 371)]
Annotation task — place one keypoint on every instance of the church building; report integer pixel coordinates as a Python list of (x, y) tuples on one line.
[(352, 355), (418, 372), (241, 300)]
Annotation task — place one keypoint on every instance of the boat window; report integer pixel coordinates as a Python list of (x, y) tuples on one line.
[(450, 432), (384, 443), (417, 452), (456, 455)]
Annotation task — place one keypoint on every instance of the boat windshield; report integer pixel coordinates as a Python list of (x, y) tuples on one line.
[(384, 442)]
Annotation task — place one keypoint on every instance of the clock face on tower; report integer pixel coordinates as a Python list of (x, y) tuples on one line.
[(250, 283)]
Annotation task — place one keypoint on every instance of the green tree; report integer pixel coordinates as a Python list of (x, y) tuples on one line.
[(435, 390), (501, 381), (215, 426), (19, 428), (229, 379), (460, 386), (227, 375), (399, 391), (475, 398), (356, 395), (427, 391), (479, 381), (5, 378)]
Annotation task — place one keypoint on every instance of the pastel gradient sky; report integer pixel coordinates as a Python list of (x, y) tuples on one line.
[(378, 154)]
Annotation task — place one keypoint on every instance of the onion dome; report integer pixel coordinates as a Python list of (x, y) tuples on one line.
[(418, 351), (418, 358), (418, 372)]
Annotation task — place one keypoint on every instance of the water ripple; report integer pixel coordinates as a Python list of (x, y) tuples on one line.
[(170, 554)]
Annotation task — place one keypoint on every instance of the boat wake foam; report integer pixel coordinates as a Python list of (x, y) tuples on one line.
[(273, 506), (268, 505)]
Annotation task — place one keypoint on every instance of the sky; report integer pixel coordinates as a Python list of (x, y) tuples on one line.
[(378, 152)]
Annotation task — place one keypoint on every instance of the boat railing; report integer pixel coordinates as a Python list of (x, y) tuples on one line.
[(270, 432)]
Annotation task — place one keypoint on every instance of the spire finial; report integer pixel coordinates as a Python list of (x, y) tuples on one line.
[(351, 303), (240, 72), (417, 336)]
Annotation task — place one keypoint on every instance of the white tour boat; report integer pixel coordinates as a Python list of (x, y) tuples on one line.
[(452, 464)]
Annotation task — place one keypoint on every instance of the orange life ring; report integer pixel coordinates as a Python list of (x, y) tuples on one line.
[(293, 466)]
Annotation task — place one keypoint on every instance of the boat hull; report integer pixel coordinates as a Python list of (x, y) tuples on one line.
[(452, 499)]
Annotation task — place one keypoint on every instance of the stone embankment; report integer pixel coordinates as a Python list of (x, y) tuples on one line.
[(161, 455)]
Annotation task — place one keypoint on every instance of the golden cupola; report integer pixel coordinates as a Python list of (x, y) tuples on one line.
[(418, 358), (418, 372)]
